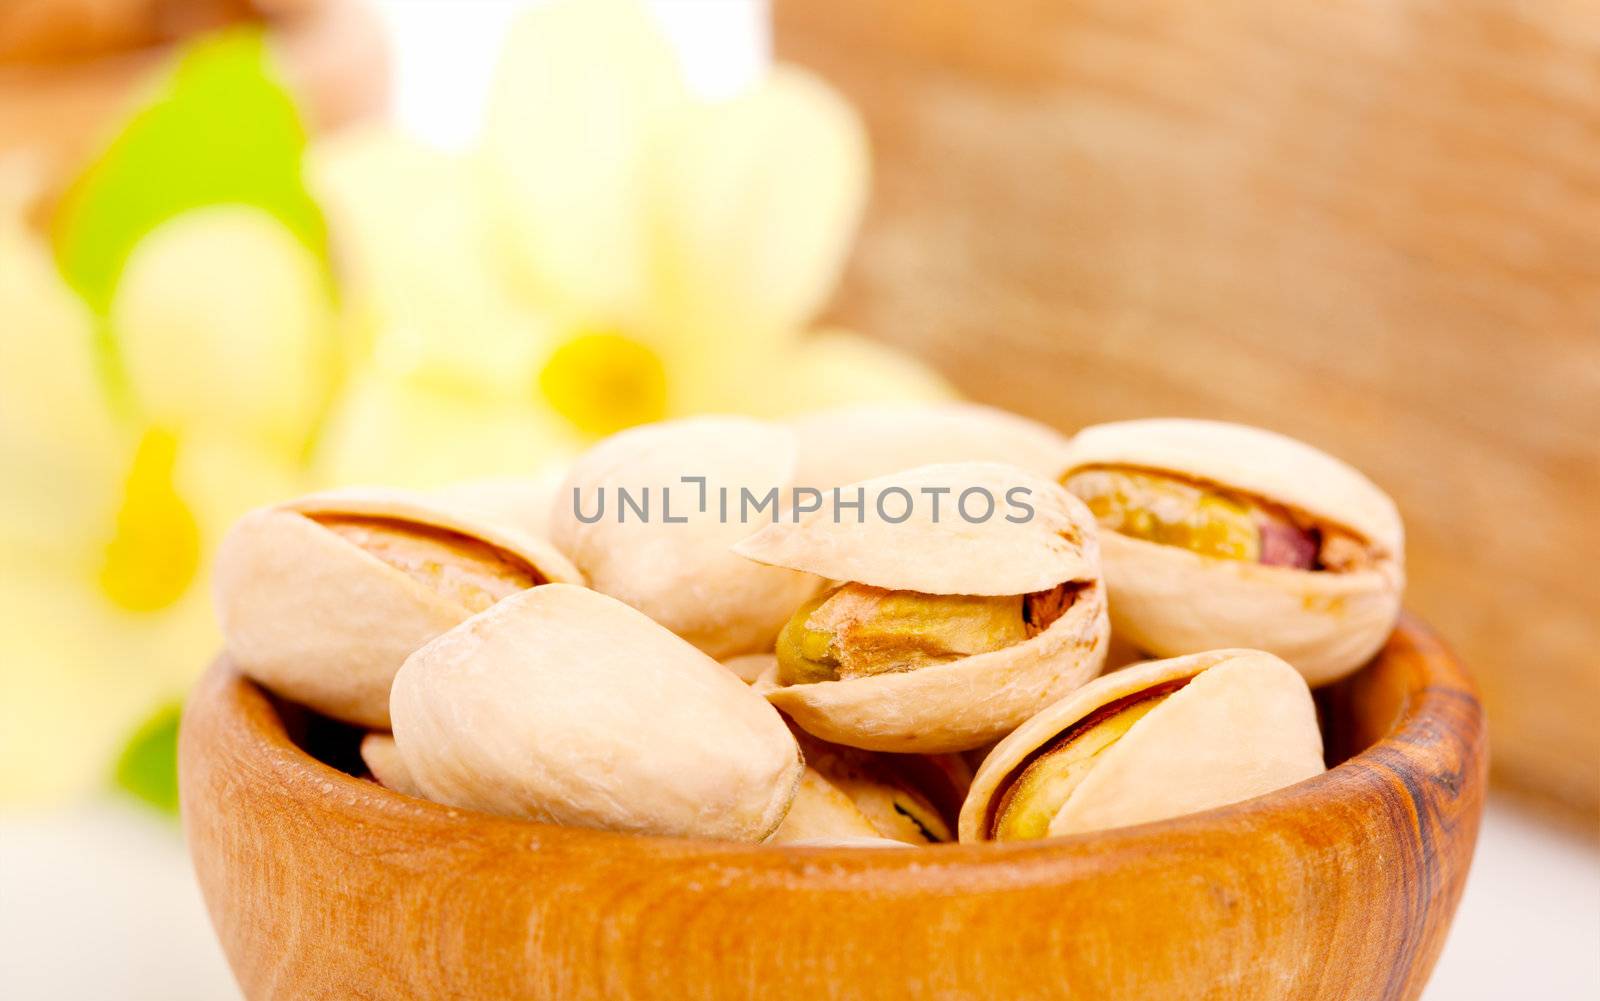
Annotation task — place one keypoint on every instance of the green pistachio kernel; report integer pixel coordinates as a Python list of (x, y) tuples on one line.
[(856, 631)]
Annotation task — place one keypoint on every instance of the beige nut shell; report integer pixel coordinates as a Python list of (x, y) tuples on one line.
[(821, 812), (969, 702), (860, 442), (1169, 601), (382, 758), (562, 705), (685, 576), (1244, 726), (324, 623), (941, 553)]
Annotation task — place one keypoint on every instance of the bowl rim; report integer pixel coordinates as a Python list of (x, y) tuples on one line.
[(1438, 727)]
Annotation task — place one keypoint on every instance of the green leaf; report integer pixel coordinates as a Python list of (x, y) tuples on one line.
[(148, 767), (220, 130)]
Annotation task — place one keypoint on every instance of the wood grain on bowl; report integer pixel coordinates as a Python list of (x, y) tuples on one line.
[(323, 885), (1375, 227)]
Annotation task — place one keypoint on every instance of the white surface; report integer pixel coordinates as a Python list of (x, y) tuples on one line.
[(99, 903), (445, 50)]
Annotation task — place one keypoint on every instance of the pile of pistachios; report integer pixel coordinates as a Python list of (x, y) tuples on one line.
[(876, 626)]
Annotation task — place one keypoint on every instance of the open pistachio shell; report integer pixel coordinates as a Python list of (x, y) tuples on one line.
[(565, 706), (1152, 741), (820, 811), (523, 502), (382, 758), (911, 798), (322, 598), (1264, 543), (855, 443), (1048, 556), (682, 573), (749, 667)]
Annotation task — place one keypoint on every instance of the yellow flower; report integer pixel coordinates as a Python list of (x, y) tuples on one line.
[(114, 491), (614, 252)]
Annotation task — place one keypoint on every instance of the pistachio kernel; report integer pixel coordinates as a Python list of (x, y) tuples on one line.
[(1203, 518), (856, 630), (467, 570), (1044, 784)]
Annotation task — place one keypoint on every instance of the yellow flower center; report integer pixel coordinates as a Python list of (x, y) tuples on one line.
[(604, 382), (156, 550)]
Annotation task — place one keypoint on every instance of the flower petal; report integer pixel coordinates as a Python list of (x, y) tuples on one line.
[(393, 431), (224, 321), (408, 224), (835, 367), (78, 676), (754, 204), (580, 89), (61, 448)]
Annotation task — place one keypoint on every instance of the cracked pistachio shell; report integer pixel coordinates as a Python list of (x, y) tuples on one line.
[(1168, 600), (565, 706), (1241, 725), (523, 502), (971, 701), (910, 798), (382, 758), (318, 619), (821, 812), (855, 443), (750, 666), (684, 574)]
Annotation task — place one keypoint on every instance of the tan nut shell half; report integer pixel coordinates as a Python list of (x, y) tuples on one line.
[(821, 812), (855, 443), (382, 758), (322, 622), (562, 705), (972, 701), (1169, 601), (1244, 726), (685, 576)]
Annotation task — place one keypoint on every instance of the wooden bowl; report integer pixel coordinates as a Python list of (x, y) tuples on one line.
[(325, 885)]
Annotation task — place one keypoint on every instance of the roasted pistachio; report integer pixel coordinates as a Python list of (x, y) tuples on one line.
[(1148, 742), (382, 758), (322, 598), (911, 798), (854, 443), (674, 563), (562, 705), (820, 811), (855, 631), (946, 630), (1222, 535)]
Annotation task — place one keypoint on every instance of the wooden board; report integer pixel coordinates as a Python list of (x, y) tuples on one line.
[(1375, 227), (326, 886)]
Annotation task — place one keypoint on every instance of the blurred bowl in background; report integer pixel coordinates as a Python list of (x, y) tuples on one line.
[(71, 69)]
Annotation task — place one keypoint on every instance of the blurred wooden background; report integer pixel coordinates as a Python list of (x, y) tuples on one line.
[(1372, 226)]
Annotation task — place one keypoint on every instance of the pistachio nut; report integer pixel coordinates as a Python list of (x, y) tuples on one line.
[(382, 758), (948, 627), (820, 811), (563, 705), (854, 443), (1148, 742), (522, 502), (322, 598), (911, 798), (649, 515), (749, 667), (1220, 535)]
